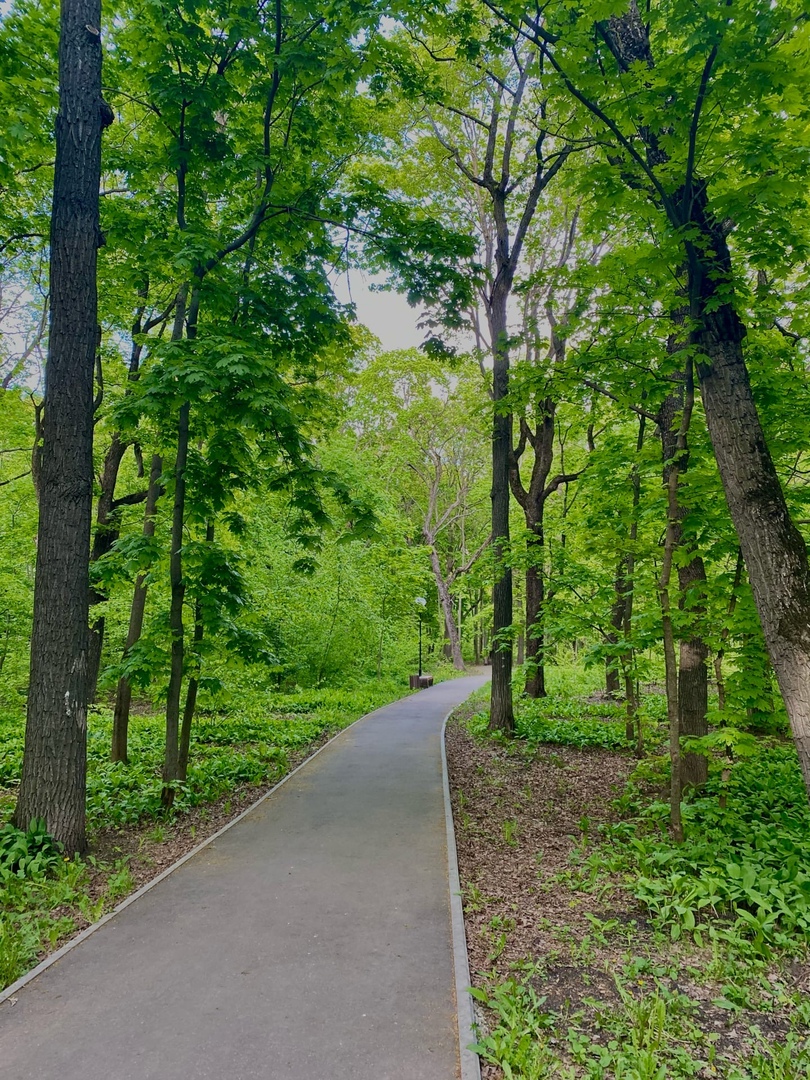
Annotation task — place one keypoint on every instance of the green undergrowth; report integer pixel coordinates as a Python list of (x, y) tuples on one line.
[(44, 897), (556, 721), (728, 911)]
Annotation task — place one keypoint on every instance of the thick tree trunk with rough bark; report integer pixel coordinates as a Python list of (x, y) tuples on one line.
[(54, 763), (123, 695), (774, 550)]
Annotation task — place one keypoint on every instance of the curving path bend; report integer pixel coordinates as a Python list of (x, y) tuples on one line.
[(310, 941)]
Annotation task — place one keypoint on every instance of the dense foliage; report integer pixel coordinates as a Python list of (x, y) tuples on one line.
[(602, 446)]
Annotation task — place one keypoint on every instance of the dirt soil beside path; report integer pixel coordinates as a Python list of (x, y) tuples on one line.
[(517, 822), (525, 819)]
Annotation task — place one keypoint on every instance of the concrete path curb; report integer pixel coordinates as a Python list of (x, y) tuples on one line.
[(309, 939), (470, 1062)]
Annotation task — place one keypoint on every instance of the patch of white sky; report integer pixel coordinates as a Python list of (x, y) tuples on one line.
[(388, 315)]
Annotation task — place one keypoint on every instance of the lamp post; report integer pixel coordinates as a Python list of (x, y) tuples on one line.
[(421, 603)]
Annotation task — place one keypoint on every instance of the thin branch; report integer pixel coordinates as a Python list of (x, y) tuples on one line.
[(693, 130), (625, 405)]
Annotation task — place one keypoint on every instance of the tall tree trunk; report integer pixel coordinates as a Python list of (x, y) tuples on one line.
[(693, 672), (633, 726), (672, 476), (501, 717), (774, 550), (55, 758), (693, 680), (171, 762), (535, 686), (724, 634), (123, 695), (532, 499)]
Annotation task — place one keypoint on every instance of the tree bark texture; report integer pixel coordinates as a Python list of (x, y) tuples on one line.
[(123, 696), (54, 764), (693, 671), (724, 634), (612, 680), (171, 763)]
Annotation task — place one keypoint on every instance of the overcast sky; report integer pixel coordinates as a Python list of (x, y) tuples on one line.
[(388, 315)]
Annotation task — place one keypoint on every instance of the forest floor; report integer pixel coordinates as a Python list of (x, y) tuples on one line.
[(580, 968), (237, 756)]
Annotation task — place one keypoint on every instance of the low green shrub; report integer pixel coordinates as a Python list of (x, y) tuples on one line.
[(746, 863)]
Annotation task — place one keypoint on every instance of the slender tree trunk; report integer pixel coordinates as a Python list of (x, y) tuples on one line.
[(612, 681), (107, 516), (123, 695), (106, 533), (535, 633), (627, 660), (693, 681), (693, 672), (502, 717), (54, 762), (670, 663), (171, 763), (724, 635), (675, 456), (194, 681), (446, 602)]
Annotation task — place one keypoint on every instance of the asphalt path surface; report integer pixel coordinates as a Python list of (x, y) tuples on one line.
[(311, 941)]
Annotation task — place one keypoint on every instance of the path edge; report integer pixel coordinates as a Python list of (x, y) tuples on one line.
[(43, 965), (469, 1061)]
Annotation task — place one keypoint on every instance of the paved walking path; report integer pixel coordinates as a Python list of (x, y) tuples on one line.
[(309, 942)]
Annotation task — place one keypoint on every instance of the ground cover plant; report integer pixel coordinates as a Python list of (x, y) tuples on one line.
[(600, 946), (238, 754)]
